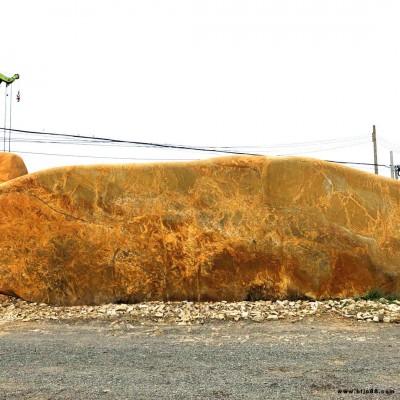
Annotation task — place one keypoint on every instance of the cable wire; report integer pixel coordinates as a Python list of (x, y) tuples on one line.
[(110, 158), (147, 144), (355, 140), (95, 139)]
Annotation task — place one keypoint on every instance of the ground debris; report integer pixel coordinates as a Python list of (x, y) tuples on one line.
[(187, 312)]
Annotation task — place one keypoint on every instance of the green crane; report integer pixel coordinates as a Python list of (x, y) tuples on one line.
[(8, 80)]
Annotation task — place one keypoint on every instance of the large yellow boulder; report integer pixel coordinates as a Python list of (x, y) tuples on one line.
[(222, 229), (11, 166)]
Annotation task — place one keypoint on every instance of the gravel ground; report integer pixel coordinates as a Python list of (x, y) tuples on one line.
[(311, 358)]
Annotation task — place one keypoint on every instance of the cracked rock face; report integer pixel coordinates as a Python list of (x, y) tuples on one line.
[(229, 229), (11, 166)]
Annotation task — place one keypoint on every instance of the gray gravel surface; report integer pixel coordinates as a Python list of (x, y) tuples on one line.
[(309, 359)]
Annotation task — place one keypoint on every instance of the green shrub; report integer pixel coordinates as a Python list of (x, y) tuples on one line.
[(375, 295), (372, 295)]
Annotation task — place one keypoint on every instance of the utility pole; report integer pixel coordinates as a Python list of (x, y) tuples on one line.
[(391, 165), (375, 149)]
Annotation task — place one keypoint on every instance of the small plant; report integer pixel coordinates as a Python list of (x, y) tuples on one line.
[(375, 295), (372, 295)]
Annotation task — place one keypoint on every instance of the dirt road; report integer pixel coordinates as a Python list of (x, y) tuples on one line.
[(217, 360)]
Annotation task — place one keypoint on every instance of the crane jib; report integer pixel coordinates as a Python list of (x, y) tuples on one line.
[(8, 80)]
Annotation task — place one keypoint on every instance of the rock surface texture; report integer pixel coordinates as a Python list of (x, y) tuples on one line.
[(229, 229), (11, 166)]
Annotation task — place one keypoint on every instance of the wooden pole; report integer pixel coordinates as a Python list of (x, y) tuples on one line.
[(375, 149)]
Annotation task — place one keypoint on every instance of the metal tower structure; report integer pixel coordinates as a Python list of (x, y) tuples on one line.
[(7, 99)]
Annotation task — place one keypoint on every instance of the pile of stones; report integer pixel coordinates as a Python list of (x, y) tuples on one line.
[(186, 312)]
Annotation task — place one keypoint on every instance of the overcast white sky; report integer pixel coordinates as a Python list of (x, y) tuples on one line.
[(205, 73)]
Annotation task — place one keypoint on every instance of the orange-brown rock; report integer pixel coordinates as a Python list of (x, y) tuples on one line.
[(222, 229), (11, 166)]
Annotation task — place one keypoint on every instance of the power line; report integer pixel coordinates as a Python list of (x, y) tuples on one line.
[(389, 145), (355, 140), (330, 148), (357, 163), (173, 159), (146, 144), (298, 144), (95, 139), (110, 158), (85, 142)]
